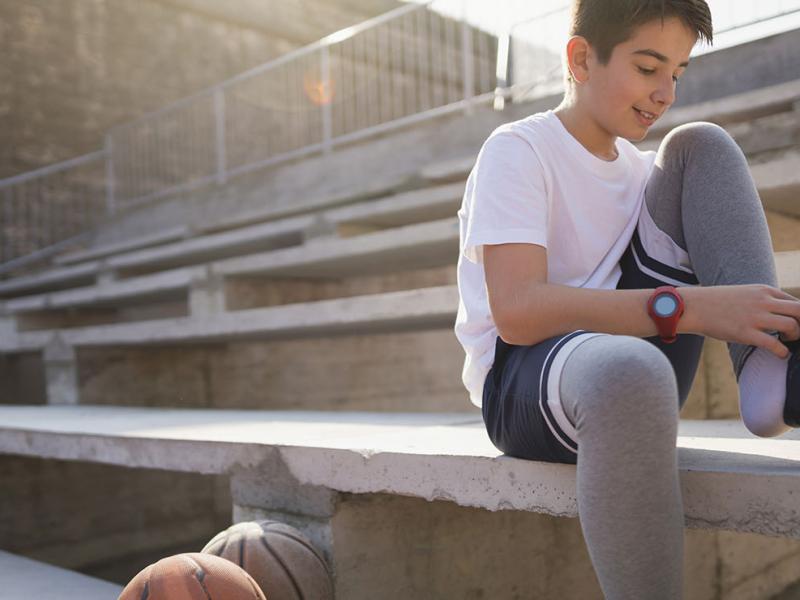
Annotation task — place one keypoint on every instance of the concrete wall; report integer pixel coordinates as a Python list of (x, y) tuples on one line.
[(73, 68), (396, 547), (107, 521)]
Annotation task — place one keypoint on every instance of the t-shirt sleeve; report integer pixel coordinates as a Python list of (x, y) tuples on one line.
[(507, 197)]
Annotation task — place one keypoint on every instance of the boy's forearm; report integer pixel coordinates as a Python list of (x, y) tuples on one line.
[(546, 310)]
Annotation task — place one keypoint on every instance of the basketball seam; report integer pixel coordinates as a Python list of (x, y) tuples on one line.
[(277, 557), (304, 544), (199, 580)]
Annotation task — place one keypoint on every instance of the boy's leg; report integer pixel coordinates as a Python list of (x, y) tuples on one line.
[(615, 395), (702, 195), (621, 395)]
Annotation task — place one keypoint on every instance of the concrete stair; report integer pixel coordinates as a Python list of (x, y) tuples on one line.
[(319, 465), (27, 578)]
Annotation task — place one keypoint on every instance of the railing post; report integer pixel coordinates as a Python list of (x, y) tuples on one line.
[(326, 99), (111, 207), (219, 118), (501, 72), (468, 62)]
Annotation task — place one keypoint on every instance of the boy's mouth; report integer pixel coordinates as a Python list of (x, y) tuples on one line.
[(647, 117)]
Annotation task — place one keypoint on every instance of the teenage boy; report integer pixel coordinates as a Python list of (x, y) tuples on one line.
[(590, 273)]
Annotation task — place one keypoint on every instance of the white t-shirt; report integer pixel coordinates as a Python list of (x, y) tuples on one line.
[(534, 182)]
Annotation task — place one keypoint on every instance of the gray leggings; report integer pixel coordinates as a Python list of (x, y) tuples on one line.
[(619, 392)]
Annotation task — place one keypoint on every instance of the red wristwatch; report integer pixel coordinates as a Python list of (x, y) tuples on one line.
[(665, 307)]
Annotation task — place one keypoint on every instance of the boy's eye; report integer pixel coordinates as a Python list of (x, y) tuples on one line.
[(651, 71)]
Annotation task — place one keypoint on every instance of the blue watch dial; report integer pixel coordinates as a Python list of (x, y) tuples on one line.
[(665, 305)]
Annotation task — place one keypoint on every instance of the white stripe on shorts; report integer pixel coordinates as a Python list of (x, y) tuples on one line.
[(553, 394), (659, 246)]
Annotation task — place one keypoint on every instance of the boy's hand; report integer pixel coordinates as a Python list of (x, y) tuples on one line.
[(747, 314)]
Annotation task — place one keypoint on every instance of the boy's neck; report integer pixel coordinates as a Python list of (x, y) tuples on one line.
[(590, 135)]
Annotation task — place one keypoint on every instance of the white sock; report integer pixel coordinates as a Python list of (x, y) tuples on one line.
[(762, 393)]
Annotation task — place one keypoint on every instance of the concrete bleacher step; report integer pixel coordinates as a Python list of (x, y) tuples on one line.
[(417, 206), (160, 237), (374, 190), (51, 279), (423, 308), (23, 578), (392, 211), (253, 238), (730, 479), (420, 308), (416, 246), (735, 108), (156, 286), (778, 183)]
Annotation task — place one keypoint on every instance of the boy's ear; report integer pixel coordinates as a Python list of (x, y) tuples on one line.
[(578, 58)]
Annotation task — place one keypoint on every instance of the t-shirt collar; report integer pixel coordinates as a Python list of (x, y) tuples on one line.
[(602, 168)]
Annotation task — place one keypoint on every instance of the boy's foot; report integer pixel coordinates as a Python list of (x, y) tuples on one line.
[(791, 408)]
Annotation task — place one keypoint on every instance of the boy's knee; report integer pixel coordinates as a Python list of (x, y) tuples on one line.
[(699, 133), (628, 370)]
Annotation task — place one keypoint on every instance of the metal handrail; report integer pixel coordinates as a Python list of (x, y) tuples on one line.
[(50, 169)]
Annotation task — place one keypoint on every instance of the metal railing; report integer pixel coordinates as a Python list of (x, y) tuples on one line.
[(405, 66), (49, 206), (354, 83)]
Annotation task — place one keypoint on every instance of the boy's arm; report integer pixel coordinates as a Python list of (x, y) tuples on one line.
[(527, 310)]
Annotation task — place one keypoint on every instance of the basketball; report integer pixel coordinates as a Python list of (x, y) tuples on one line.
[(192, 576), (281, 559)]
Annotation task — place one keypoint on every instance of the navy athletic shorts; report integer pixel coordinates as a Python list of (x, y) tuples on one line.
[(521, 404)]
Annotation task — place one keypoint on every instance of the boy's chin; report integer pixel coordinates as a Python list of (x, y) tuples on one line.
[(638, 137)]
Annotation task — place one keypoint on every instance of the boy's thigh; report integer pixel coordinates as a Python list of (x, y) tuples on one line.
[(522, 407)]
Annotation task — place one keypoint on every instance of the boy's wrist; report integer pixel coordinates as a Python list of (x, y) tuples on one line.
[(689, 321)]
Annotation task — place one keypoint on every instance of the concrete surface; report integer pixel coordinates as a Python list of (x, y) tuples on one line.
[(24, 578), (160, 284), (51, 279), (425, 308), (423, 245), (240, 241), (159, 237), (730, 479)]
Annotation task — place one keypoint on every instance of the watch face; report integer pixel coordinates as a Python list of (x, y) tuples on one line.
[(665, 305)]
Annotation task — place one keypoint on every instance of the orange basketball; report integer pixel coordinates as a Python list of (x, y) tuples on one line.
[(192, 576), (282, 560)]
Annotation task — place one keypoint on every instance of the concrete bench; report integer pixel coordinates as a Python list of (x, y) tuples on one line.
[(312, 469), (253, 238), (158, 285), (393, 211), (101, 251), (373, 191), (419, 246), (23, 577), (392, 311), (735, 108), (421, 309), (51, 279), (406, 309)]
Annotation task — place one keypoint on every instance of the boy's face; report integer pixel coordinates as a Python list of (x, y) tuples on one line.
[(635, 79)]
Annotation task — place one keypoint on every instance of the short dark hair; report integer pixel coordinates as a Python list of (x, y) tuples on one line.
[(607, 23)]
